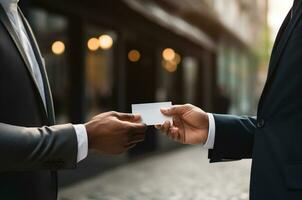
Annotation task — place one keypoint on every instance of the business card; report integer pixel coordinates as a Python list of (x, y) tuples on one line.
[(150, 112)]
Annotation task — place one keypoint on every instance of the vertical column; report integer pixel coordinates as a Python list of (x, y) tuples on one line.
[(178, 85), (209, 77), (76, 63), (119, 72), (200, 93)]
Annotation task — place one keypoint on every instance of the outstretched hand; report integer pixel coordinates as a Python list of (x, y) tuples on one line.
[(190, 124), (115, 133)]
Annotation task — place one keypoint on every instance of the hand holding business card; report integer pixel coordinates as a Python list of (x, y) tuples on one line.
[(150, 112)]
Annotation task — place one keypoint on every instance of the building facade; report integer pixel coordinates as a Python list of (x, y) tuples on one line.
[(238, 29)]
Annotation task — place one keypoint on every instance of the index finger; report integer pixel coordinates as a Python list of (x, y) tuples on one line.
[(129, 117), (135, 127)]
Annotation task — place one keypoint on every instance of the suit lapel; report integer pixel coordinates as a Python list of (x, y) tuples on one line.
[(7, 24), (13, 35), (48, 95), (279, 47)]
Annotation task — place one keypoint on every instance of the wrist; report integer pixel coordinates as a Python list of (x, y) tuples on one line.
[(207, 122), (205, 138), (210, 139), (205, 129), (89, 128), (82, 140)]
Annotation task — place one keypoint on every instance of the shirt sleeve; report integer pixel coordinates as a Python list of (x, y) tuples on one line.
[(82, 138), (211, 135)]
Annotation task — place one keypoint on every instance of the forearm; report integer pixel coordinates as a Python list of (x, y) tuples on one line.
[(23, 148), (234, 138)]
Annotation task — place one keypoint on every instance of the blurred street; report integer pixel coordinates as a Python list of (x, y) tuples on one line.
[(183, 174)]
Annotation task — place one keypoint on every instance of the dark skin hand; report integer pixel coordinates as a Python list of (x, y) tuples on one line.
[(114, 133)]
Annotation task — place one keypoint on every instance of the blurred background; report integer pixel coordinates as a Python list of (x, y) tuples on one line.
[(107, 54)]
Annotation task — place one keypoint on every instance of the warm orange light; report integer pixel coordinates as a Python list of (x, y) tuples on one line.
[(134, 55), (168, 54), (58, 47), (93, 44), (170, 66), (105, 42), (177, 58)]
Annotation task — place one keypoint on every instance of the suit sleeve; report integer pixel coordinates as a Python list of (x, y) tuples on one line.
[(50, 148), (234, 138)]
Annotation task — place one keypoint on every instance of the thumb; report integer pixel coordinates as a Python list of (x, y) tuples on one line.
[(175, 110)]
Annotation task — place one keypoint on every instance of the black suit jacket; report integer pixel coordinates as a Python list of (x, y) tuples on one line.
[(31, 147), (273, 139)]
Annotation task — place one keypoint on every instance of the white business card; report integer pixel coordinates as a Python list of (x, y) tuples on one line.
[(150, 112)]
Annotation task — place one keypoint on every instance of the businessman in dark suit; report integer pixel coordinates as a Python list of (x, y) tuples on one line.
[(273, 139), (32, 148)]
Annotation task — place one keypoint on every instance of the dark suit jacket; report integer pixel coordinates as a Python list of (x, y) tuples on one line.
[(29, 157), (273, 139)]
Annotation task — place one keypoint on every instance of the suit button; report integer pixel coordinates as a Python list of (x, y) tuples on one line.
[(260, 123)]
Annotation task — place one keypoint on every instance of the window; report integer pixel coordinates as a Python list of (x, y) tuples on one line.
[(99, 69)]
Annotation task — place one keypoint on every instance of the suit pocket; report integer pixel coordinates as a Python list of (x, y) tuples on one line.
[(293, 176)]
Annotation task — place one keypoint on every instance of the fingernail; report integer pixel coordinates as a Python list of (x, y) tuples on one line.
[(137, 116), (164, 109)]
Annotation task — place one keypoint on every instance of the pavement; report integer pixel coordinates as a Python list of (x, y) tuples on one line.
[(182, 174)]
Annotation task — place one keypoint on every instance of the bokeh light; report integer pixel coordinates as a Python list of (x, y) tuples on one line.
[(177, 58), (168, 54), (58, 47), (169, 66), (105, 42), (93, 44), (134, 55)]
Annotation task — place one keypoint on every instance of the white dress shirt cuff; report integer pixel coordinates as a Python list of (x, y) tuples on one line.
[(82, 138), (211, 134)]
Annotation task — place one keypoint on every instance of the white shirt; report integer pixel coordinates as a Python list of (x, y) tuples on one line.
[(11, 9), (211, 133)]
